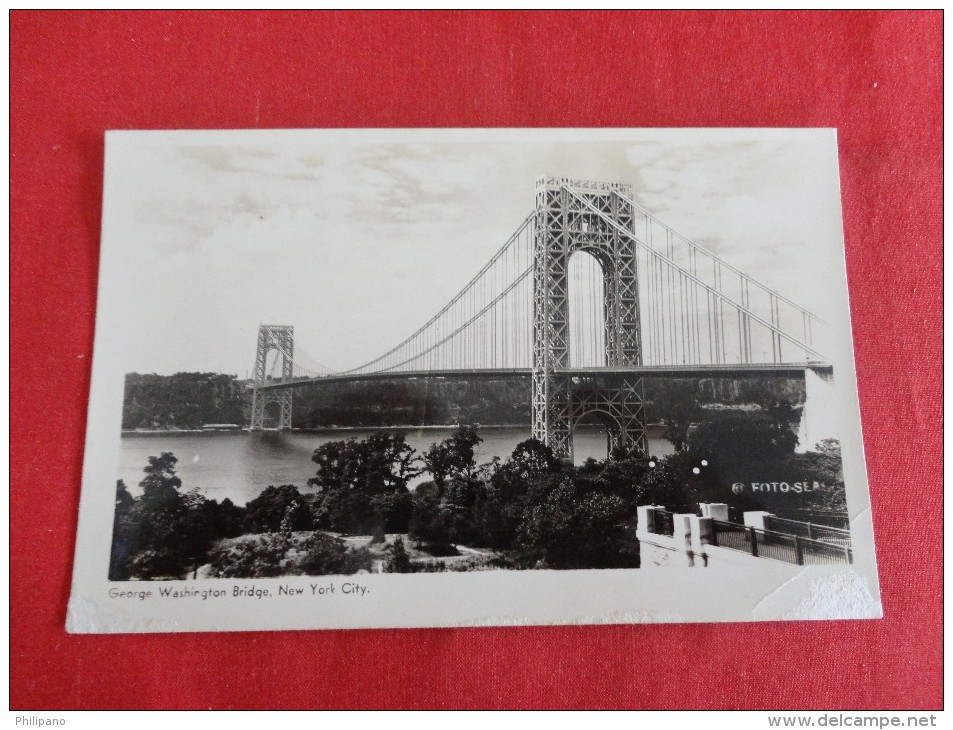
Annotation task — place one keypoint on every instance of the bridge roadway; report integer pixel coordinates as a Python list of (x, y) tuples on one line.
[(738, 370)]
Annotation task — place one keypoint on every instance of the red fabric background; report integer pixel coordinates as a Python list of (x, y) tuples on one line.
[(874, 76)]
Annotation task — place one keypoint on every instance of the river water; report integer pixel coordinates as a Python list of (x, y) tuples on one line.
[(239, 465)]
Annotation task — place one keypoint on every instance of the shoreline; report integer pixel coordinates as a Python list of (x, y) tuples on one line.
[(322, 429), (334, 429)]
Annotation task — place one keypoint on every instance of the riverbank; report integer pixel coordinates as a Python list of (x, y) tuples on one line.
[(323, 429), (238, 465), (653, 429)]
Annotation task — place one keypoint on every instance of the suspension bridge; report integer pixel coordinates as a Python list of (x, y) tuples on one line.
[(590, 295)]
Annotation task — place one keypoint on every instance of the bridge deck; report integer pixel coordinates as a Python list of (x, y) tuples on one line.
[(776, 370)]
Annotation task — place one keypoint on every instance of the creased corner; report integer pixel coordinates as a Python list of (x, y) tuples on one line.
[(84, 616)]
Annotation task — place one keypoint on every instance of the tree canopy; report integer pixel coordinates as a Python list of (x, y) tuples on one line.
[(454, 456), (529, 510)]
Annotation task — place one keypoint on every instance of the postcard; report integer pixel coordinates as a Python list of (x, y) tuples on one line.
[(425, 378)]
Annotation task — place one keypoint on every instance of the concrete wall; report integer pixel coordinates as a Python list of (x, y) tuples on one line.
[(689, 545)]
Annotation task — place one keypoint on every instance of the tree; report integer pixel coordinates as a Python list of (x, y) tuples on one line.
[(531, 464), (278, 509), (364, 484), (382, 462), (740, 440), (160, 488), (493, 526), (532, 458), (125, 534), (572, 529), (827, 461), (395, 508), (675, 403), (430, 525), (398, 561), (324, 555), (389, 463), (338, 465), (454, 456), (124, 500), (458, 506), (166, 533), (225, 519), (624, 478), (823, 497), (158, 523)]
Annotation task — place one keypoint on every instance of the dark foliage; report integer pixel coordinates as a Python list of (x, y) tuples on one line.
[(574, 527), (278, 509), (125, 536), (734, 439), (327, 555), (165, 533), (453, 457), (263, 557), (423, 402), (543, 513), (397, 559), (363, 484), (273, 554), (527, 511), (183, 400)]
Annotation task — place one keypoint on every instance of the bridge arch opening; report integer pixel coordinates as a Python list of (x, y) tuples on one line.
[(273, 364), (271, 414), (586, 294), (591, 435)]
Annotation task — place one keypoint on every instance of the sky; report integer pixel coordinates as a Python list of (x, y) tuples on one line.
[(356, 237)]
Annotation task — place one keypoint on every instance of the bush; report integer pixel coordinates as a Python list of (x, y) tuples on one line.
[(483, 562), (398, 561), (263, 556), (276, 554), (430, 566), (152, 564), (327, 555)]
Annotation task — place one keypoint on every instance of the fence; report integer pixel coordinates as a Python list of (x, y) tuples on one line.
[(778, 545), (664, 523), (828, 518), (823, 553), (822, 533)]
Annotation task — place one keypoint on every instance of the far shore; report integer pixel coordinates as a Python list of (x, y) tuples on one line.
[(338, 429)]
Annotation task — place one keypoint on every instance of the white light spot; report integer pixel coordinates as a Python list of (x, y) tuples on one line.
[(652, 464), (696, 470), (704, 462)]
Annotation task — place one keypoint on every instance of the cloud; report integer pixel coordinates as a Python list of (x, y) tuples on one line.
[(356, 244)]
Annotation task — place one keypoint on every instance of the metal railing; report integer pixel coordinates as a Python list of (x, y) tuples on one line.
[(823, 553), (811, 531), (731, 535), (778, 545), (664, 523)]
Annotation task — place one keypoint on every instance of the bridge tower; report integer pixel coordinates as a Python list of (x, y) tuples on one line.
[(281, 339), (565, 225)]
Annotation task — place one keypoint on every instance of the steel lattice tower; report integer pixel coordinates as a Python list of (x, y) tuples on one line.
[(563, 226), (513, 318), (281, 339)]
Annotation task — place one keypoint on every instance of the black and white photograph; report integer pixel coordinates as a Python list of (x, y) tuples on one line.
[(374, 378)]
